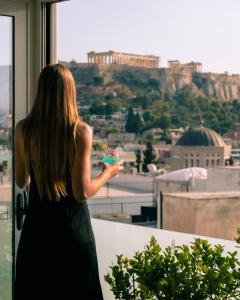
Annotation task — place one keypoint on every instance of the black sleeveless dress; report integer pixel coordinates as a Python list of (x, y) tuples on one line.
[(56, 256)]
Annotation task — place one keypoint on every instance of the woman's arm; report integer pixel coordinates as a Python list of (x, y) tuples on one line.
[(22, 176), (82, 185)]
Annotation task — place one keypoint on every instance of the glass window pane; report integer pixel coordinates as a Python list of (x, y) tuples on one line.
[(6, 88)]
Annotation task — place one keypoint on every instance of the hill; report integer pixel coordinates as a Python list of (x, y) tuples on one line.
[(166, 97)]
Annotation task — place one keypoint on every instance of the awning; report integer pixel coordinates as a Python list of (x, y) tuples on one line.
[(183, 175)]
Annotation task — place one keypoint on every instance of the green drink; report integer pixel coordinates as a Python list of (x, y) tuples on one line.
[(111, 157)]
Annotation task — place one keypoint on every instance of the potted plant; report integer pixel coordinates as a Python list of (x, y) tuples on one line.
[(199, 271)]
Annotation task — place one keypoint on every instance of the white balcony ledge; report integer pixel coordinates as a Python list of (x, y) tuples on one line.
[(116, 238)]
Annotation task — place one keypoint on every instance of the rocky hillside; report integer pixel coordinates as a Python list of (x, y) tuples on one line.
[(166, 98), (222, 87)]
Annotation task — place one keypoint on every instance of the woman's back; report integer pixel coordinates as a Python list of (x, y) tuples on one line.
[(56, 257)]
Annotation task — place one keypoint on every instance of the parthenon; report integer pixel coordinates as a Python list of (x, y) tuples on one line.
[(112, 57)]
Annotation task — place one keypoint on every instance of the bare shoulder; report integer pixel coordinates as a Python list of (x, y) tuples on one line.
[(83, 131)]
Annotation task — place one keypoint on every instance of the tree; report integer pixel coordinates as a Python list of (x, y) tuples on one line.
[(164, 121), (97, 108), (98, 146), (111, 108), (147, 116), (138, 160), (112, 130), (153, 83), (138, 124), (149, 156), (98, 80), (130, 121)]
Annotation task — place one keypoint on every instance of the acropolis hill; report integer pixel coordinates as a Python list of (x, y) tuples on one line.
[(133, 70)]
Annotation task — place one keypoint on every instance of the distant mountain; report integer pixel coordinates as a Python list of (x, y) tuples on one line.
[(5, 93)]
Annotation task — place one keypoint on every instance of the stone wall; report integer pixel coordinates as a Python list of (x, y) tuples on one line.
[(210, 214)]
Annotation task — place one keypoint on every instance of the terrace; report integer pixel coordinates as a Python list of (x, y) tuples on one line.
[(32, 44)]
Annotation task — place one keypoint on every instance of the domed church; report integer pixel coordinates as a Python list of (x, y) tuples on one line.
[(200, 147)]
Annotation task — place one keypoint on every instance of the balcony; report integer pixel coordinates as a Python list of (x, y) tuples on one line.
[(117, 238)]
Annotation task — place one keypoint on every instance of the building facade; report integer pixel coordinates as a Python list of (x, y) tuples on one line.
[(200, 147)]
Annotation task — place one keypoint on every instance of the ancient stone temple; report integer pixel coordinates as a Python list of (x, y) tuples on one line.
[(112, 57), (193, 66)]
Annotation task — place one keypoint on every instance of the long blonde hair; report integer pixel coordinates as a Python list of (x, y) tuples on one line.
[(50, 131)]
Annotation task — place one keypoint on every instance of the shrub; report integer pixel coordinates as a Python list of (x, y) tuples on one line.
[(199, 271)]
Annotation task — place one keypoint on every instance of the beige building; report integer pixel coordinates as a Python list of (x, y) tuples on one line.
[(213, 214), (116, 139), (200, 147), (134, 60)]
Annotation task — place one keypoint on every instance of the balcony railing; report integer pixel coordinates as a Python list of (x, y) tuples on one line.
[(116, 238)]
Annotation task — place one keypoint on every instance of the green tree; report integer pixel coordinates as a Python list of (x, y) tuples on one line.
[(149, 156), (98, 146), (153, 83), (98, 80), (111, 108), (97, 108), (112, 130), (164, 121), (138, 160), (138, 124), (130, 126), (147, 116)]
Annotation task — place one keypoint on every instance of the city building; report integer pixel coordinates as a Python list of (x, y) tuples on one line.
[(154, 133), (117, 139), (234, 136), (213, 214), (200, 147)]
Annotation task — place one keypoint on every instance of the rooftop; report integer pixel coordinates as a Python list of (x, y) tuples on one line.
[(205, 195)]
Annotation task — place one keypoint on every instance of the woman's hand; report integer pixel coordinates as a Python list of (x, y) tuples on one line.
[(113, 169)]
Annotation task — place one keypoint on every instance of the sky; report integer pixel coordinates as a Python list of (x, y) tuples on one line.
[(6, 36), (207, 31)]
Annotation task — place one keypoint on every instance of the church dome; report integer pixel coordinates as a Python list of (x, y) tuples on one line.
[(201, 136)]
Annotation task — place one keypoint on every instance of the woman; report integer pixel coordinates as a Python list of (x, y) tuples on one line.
[(56, 257)]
